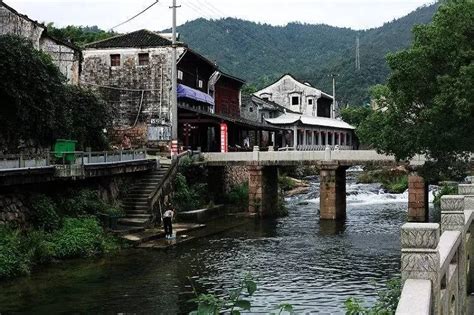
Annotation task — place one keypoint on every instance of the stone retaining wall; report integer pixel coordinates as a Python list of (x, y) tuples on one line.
[(235, 176), (14, 210)]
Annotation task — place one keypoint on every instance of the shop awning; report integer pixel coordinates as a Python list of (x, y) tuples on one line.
[(187, 92)]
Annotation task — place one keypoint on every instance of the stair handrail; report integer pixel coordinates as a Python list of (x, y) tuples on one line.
[(172, 169)]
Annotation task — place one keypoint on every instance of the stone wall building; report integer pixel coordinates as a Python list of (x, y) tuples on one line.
[(64, 54), (298, 97), (308, 116)]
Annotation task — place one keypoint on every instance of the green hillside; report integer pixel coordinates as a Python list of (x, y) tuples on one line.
[(260, 53)]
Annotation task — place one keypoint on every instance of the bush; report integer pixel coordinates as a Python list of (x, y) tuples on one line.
[(81, 238), (45, 214), (397, 185), (386, 303), (239, 196), (394, 181), (82, 203), (444, 190), (286, 183), (13, 261), (185, 198)]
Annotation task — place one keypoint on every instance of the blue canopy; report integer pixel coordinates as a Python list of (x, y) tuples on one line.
[(186, 91)]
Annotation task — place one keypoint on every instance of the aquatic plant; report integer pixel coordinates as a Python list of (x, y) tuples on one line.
[(233, 303), (386, 303)]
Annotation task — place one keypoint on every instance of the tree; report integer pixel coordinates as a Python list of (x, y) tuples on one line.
[(355, 115), (430, 96), (79, 35), (89, 117), (31, 91), (38, 107)]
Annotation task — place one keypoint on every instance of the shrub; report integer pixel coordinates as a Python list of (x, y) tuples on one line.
[(445, 190), (83, 202), (239, 196), (13, 261), (81, 238), (397, 185), (386, 303), (286, 183), (185, 198), (45, 214)]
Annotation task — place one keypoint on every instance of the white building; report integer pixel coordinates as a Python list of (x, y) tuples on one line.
[(312, 124)]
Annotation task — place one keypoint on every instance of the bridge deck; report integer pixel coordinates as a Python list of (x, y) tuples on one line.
[(282, 158)]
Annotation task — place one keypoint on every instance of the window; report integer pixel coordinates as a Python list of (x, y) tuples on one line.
[(143, 59), (180, 75), (295, 100), (265, 99), (115, 60), (200, 84), (250, 109), (310, 101)]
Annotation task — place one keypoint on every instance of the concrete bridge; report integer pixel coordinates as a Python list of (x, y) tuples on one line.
[(263, 177), (437, 261)]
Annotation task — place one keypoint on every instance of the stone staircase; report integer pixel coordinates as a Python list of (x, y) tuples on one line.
[(136, 206)]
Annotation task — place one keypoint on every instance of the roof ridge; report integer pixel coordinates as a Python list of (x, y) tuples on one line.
[(143, 30)]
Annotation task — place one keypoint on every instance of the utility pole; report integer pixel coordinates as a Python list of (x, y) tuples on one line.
[(333, 107), (174, 88)]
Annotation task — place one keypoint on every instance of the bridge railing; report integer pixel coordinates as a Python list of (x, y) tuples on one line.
[(437, 259), (78, 158), (16, 161)]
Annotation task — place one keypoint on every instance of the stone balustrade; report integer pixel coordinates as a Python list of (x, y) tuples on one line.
[(436, 259)]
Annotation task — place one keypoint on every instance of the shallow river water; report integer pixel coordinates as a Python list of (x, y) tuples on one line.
[(313, 265)]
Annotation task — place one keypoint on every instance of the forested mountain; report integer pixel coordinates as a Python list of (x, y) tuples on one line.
[(260, 53)]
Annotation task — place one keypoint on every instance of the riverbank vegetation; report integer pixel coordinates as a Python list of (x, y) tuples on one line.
[(394, 181), (235, 302), (386, 303), (61, 228)]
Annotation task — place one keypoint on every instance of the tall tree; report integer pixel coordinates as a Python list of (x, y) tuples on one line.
[(430, 98)]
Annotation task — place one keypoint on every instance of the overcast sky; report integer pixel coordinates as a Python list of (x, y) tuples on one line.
[(357, 14)]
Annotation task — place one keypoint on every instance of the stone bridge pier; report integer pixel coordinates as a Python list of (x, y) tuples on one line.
[(332, 192), (417, 199), (263, 190)]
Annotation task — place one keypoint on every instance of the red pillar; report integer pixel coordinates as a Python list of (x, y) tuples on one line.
[(417, 199)]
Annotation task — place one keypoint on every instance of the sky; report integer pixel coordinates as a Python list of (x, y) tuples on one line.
[(356, 14)]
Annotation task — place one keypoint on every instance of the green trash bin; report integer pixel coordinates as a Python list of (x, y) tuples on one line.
[(62, 147)]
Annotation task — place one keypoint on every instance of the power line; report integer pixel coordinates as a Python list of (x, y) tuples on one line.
[(136, 15)]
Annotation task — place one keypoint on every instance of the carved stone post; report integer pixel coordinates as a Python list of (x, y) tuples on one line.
[(452, 219), (467, 190), (420, 256)]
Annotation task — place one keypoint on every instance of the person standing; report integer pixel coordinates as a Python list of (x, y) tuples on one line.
[(167, 223)]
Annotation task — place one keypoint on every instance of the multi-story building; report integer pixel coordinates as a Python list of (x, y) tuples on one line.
[(310, 115)]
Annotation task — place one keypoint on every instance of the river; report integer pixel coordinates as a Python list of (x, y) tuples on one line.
[(313, 265)]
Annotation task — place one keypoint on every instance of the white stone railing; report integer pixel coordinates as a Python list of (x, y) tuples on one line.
[(436, 268), (323, 147)]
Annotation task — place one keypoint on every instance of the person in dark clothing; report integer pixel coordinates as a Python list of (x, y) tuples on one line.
[(167, 223)]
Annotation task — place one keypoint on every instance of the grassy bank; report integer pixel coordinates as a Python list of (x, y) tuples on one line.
[(394, 181), (61, 228)]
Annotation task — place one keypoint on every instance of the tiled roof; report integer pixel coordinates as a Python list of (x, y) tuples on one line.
[(139, 39), (289, 119)]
